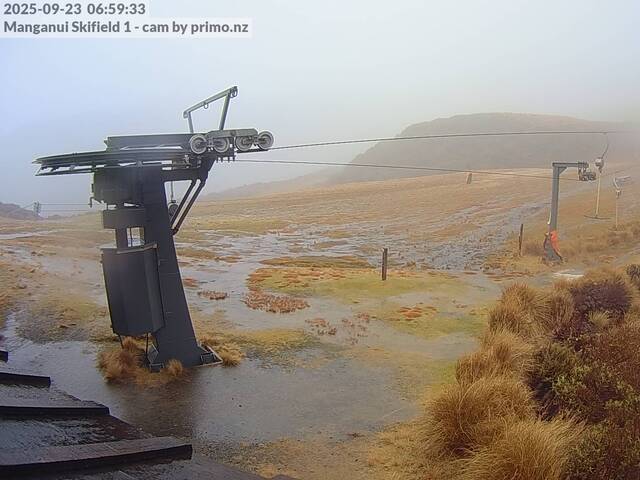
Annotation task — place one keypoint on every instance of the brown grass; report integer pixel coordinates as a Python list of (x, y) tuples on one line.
[(522, 310), (174, 368), (229, 353), (561, 310), (126, 365), (213, 295), (501, 353), (13, 287), (633, 271), (526, 450), (190, 282), (259, 300), (533, 248), (119, 365), (463, 418)]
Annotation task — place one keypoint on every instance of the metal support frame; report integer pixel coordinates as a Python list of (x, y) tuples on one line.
[(136, 189), (550, 251), (143, 283), (227, 94)]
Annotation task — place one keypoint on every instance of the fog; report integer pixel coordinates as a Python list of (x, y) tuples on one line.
[(313, 71)]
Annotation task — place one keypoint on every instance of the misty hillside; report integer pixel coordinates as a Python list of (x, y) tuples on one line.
[(11, 210), (462, 153), (481, 153), (316, 179)]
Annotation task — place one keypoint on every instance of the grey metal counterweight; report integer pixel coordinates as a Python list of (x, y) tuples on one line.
[(142, 277)]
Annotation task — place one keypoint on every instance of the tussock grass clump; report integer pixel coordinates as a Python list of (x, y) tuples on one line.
[(121, 364), (600, 320), (466, 417), (561, 310), (501, 353), (126, 365), (570, 352), (174, 368), (633, 271), (229, 353), (522, 310), (526, 450)]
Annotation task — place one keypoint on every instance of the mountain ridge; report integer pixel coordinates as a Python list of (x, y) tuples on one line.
[(473, 153)]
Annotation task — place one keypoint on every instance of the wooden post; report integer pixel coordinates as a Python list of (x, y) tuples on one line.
[(385, 254), (520, 237), (618, 195)]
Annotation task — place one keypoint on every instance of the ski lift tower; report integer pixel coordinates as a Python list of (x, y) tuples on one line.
[(550, 246), (142, 278)]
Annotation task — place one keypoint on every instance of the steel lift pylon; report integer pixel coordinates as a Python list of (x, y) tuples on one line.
[(142, 277), (550, 245)]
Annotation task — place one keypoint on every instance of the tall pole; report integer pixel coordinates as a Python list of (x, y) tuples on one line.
[(385, 256), (598, 196), (618, 195), (555, 194)]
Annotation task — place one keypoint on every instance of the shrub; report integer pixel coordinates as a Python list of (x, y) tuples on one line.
[(617, 348), (527, 450), (604, 291), (551, 362), (501, 353), (606, 451), (466, 417), (594, 392)]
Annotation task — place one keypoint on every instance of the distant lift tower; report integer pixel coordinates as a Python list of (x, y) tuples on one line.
[(142, 278), (551, 250)]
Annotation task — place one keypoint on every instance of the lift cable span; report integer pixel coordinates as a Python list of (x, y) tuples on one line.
[(451, 135)]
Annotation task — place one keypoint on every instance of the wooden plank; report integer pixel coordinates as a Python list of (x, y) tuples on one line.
[(4, 355), (40, 460), (29, 407), (8, 376)]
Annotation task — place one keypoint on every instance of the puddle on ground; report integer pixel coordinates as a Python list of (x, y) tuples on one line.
[(319, 392), (248, 403)]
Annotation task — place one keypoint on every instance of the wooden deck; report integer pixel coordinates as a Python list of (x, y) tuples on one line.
[(15, 377), (43, 460), (54, 408)]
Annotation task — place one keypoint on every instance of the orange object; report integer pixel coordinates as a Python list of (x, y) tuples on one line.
[(553, 237)]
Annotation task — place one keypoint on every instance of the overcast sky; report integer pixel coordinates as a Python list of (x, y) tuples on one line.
[(314, 70)]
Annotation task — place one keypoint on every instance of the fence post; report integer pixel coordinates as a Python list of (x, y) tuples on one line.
[(520, 237), (385, 254)]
